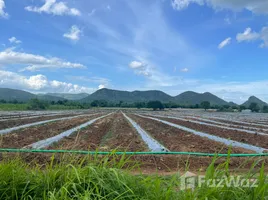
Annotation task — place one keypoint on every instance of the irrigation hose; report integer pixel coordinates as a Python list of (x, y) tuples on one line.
[(129, 153)]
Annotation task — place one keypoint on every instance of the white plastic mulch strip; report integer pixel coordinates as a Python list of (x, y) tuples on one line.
[(213, 125), (152, 144), (248, 123), (226, 124), (211, 137), (8, 130), (35, 116), (47, 142)]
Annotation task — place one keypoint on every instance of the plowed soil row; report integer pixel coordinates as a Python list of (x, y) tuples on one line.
[(245, 127), (109, 133), (236, 123), (248, 138), (18, 122), (122, 136), (178, 140), (27, 136), (88, 138)]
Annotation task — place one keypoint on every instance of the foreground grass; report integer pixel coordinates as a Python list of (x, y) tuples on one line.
[(105, 178), (11, 107)]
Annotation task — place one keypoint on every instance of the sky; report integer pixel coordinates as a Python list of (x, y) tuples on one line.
[(73, 46)]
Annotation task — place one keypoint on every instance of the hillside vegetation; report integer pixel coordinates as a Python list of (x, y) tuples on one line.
[(139, 99)]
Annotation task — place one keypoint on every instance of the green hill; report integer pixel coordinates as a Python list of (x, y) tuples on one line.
[(69, 96), (186, 98), (12, 94), (125, 96), (47, 97), (8, 94), (115, 96), (192, 98), (254, 99)]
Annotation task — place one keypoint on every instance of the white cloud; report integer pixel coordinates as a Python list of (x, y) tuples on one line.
[(100, 80), (182, 4), (136, 65), (2, 12), (184, 70), (255, 6), (108, 7), (101, 86), (35, 62), (38, 83), (247, 35), (14, 40), (264, 37), (55, 8), (140, 68), (73, 34), (224, 43)]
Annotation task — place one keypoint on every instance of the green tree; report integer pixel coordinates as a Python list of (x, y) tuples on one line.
[(234, 107), (155, 105), (242, 108), (36, 104), (103, 103), (265, 109), (205, 104), (138, 105), (226, 106), (254, 107), (3, 101), (95, 103)]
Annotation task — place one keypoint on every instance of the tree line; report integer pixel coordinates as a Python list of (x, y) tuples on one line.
[(37, 104)]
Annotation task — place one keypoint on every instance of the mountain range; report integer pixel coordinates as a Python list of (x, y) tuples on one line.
[(115, 96)]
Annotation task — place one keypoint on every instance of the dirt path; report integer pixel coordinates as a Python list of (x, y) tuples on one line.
[(179, 140), (248, 138), (88, 138), (27, 136), (123, 137)]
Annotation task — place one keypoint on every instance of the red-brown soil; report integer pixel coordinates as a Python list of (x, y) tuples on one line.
[(27, 136), (248, 138)]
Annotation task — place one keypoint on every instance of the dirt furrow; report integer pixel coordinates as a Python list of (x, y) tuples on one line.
[(253, 139), (123, 137), (27, 136), (18, 122), (178, 140), (230, 125), (89, 138), (237, 123)]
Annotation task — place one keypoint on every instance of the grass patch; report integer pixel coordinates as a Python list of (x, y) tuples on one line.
[(106, 137), (10, 107), (108, 177)]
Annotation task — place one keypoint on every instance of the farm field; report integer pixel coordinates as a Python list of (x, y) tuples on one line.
[(140, 131)]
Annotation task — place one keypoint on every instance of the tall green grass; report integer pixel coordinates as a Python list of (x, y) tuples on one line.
[(10, 107), (110, 177)]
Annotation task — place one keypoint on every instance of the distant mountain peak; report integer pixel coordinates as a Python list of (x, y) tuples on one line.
[(254, 99)]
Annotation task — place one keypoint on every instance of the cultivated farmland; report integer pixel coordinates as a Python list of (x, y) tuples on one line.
[(140, 131)]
